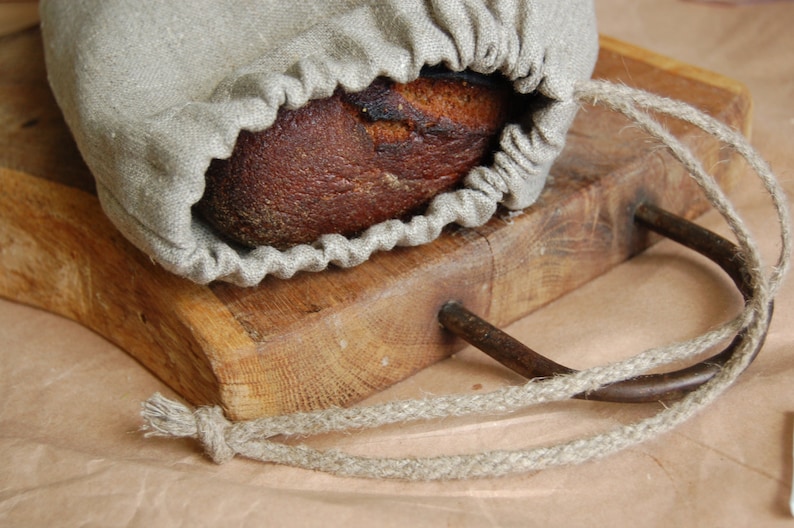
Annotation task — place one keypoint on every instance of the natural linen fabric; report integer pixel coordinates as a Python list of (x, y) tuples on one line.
[(154, 90)]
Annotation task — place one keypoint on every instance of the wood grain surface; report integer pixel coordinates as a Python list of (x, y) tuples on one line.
[(334, 337)]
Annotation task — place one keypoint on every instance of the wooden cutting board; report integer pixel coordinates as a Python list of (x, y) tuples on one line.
[(334, 337)]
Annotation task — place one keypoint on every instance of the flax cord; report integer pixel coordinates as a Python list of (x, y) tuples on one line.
[(223, 439)]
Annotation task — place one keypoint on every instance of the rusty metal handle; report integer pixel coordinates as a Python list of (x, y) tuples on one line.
[(646, 388)]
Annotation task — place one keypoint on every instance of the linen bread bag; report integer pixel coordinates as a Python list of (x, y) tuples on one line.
[(154, 91)]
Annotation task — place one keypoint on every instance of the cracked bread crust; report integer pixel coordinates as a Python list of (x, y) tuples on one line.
[(344, 163)]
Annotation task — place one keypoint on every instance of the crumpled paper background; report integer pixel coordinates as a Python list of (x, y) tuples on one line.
[(71, 453)]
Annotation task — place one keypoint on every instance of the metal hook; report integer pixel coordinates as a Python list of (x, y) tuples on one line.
[(646, 388)]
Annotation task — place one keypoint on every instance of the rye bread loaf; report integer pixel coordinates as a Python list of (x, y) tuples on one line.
[(344, 163)]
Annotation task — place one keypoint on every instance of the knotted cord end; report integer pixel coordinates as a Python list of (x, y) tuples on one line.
[(169, 418), (164, 417)]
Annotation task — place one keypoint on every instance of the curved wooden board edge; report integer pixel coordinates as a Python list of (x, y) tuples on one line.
[(60, 253)]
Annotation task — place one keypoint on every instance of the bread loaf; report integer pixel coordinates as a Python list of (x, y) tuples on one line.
[(342, 164)]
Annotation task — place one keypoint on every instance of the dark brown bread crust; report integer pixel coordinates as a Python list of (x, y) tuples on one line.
[(342, 164)]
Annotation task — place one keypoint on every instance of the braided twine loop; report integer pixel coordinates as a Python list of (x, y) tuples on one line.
[(223, 439)]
